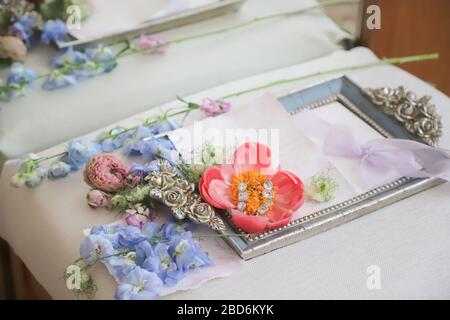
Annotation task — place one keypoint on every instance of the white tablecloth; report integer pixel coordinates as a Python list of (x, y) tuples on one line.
[(408, 241), (143, 81)]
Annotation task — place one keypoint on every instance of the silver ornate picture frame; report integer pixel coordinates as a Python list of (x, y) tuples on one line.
[(395, 113)]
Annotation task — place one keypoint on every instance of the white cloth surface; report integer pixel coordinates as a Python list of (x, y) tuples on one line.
[(409, 240), (44, 118)]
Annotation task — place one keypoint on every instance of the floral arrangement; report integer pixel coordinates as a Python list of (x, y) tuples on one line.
[(142, 256), (143, 140), (142, 260)]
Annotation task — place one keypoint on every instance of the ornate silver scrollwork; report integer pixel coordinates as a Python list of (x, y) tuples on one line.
[(179, 195), (418, 115)]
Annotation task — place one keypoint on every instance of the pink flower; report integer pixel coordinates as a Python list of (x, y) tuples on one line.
[(136, 220), (259, 197), (97, 198), (138, 216), (106, 173), (12, 47), (156, 43), (134, 180), (213, 107)]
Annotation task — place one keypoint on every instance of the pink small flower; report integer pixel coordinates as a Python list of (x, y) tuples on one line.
[(97, 199), (136, 220), (138, 216), (213, 107), (106, 173), (13, 47), (134, 180), (156, 42)]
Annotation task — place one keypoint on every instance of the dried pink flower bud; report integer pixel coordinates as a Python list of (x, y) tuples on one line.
[(213, 107), (154, 43), (13, 47), (106, 173), (97, 199)]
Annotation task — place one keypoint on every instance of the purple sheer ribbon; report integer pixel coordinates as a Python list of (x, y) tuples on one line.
[(377, 157)]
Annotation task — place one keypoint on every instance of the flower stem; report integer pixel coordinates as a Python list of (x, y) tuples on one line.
[(400, 60), (221, 235), (242, 25), (62, 154)]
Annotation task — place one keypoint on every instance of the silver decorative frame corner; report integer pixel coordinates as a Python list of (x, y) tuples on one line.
[(380, 112)]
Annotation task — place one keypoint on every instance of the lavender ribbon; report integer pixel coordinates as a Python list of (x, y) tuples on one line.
[(379, 157)]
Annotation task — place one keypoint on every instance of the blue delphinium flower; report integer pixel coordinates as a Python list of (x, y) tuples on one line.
[(75, 64), (58, 79), (80, 151), (163, 265), (23, 28), (68, 57), (58, 170), (166, 125), (138, 168), (36, 177), (157, 147), (170, 230), (29, 172), (130, 236), (187, 252), (143, 143), (94, 248), (139, 284), (121, 135), (20, 79), (153, 165), (54, 31), (150, 230), (110, 232), (143, 260), (144, 169), (121, 265), (143, 250), (135, 144), (103, 57)]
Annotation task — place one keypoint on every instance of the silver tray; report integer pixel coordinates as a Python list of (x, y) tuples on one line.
[(157, 25), (358, 102)]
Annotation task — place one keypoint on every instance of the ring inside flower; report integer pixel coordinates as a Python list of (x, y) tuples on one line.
[(252, 192)]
